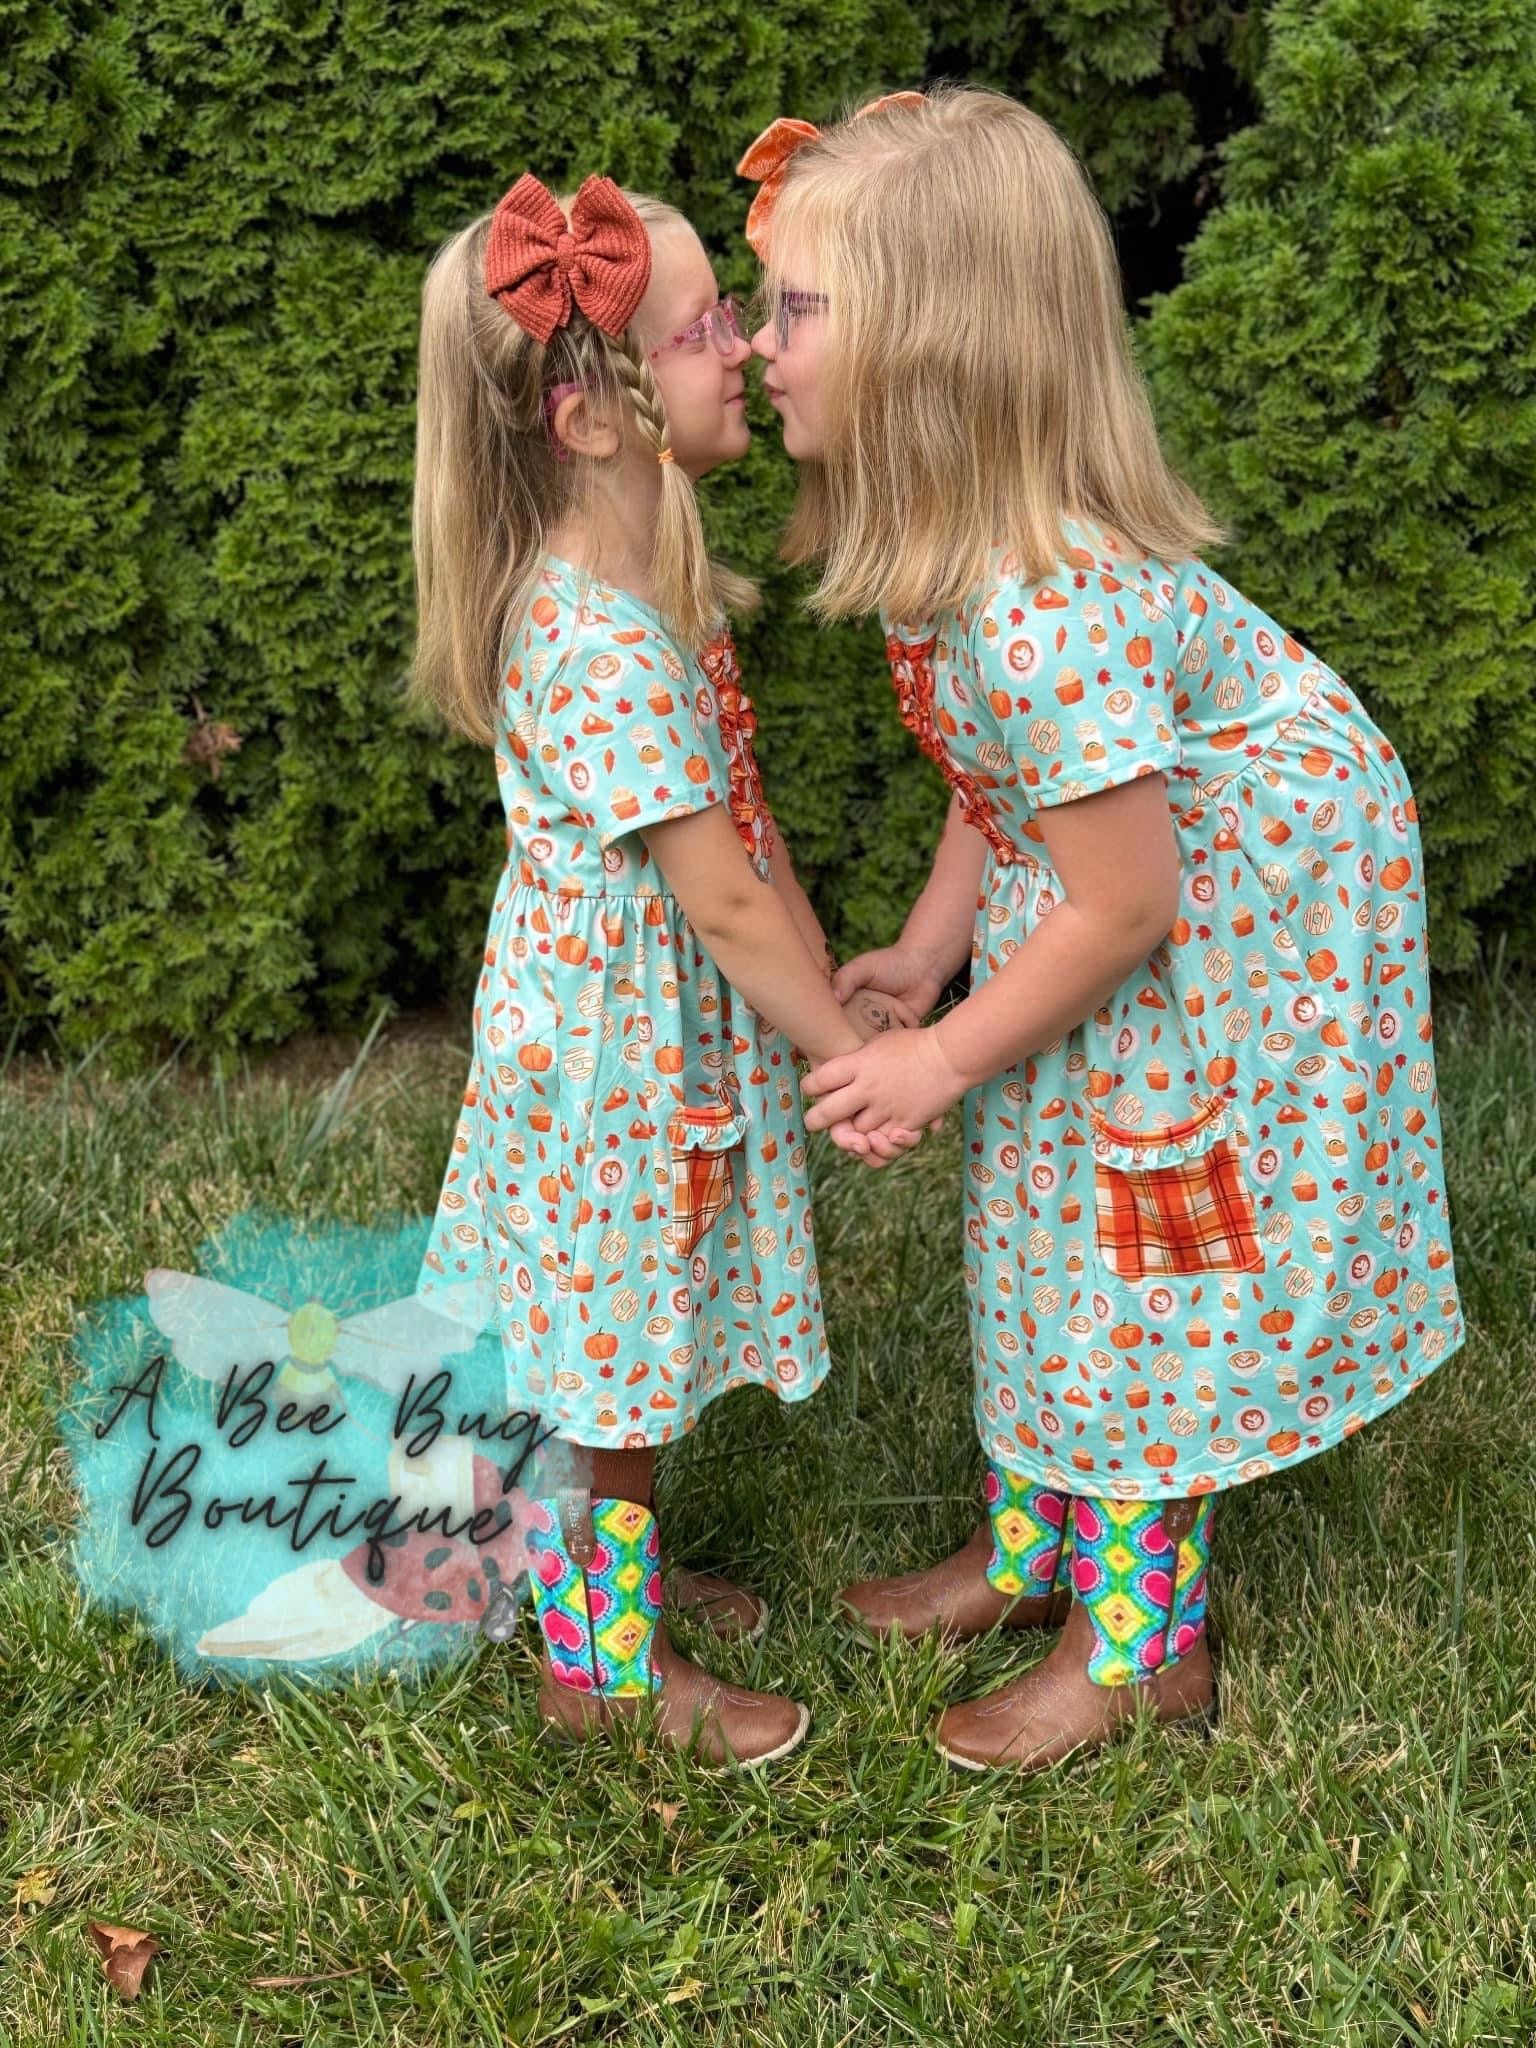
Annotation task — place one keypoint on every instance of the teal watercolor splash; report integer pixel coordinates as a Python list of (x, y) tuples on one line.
[(296, 1380)]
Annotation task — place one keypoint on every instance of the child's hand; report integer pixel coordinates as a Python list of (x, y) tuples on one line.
[(876, 1148), (903, 1078), (871, 1013), (899, 976)]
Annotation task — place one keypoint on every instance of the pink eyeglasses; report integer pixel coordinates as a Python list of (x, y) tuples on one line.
[(722, 324), (791, 306)]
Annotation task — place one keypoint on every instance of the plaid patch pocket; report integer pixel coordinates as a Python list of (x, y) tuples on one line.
[(704, 1139), (1173, 1199)]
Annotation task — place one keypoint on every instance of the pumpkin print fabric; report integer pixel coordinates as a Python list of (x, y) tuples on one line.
[(1206, 1232), (628, 1188)]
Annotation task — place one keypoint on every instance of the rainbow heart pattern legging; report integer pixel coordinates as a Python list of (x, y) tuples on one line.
[(597, 1617), (1142, 1587), (1031, 1534)]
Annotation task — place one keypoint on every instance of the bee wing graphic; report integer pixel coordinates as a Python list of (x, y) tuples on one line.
[(313, 1611), (386, 1345), (211, 1326)]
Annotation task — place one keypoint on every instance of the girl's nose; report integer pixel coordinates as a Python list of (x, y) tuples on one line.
[(765, 342), (741, 349)]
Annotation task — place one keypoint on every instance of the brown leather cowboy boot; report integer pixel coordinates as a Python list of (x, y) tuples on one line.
[(1135, 1641), (955, 1596), (729, 1724), (1011, 1573), (596, 1583), (724, 1608)]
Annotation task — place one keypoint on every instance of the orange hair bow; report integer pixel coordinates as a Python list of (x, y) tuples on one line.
[(768, 158), (537, 264)]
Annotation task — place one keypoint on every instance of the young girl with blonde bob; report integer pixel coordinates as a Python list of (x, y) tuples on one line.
[(1205, 1216), (627, 1184)]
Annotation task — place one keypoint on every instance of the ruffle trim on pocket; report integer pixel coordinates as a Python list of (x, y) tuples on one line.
[(704, 1139), (1173, 1199)]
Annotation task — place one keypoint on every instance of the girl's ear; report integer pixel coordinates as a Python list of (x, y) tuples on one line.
[(581, 427)]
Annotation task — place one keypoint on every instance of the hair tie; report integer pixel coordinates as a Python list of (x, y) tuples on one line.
[(537, 264), (768, 158), (666, 455)]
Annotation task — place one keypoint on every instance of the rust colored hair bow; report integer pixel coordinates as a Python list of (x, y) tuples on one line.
[(769, 156), (537, 264)]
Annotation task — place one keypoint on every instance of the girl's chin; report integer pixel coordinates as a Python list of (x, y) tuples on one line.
[(730, 448)]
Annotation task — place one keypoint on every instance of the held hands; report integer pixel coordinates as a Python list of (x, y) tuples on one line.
[(887, 991), (875, 1148), (891, 1087), (871, 1015), (900, 977)]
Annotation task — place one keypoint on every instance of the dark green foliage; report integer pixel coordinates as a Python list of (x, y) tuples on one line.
[(213, 225), (213, 231), (1349, 371), (1132, 87)]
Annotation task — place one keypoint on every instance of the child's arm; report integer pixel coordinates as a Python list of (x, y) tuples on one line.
[(935, 942), (666, 781), (1118, 861), (1093, 636), (748, 932), (796, 902), (871, 1010)]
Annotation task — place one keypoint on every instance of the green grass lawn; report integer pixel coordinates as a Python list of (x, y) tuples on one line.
[(1349, 1861)]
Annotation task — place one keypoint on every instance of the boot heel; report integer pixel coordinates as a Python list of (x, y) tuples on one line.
[(574, 1716), (1204, 1719)]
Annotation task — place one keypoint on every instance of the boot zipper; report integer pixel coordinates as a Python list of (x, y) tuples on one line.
[(580, 1541), (586, 1589), (1179, 1518)]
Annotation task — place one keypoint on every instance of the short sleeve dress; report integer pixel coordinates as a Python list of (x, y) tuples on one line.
[(627, 1193), (1206, 1231)]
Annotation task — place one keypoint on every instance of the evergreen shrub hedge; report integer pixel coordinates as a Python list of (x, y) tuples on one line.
[(217, 822), (1349, 371)]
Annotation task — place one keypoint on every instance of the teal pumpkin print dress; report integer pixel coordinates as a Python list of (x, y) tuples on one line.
[(627, 1188), (1205, 1232)]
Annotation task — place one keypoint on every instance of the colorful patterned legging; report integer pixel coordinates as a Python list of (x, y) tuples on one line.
[(594, 1568), (1142, 1585)]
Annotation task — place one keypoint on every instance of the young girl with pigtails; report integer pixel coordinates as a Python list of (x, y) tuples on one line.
[(1205, 1215), (628, 1178)]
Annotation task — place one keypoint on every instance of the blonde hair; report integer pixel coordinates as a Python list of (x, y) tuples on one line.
[(490, 486), (980, 385)]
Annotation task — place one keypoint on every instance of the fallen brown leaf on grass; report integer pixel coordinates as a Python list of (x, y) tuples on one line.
[(125, 1954), (669, 1809)]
